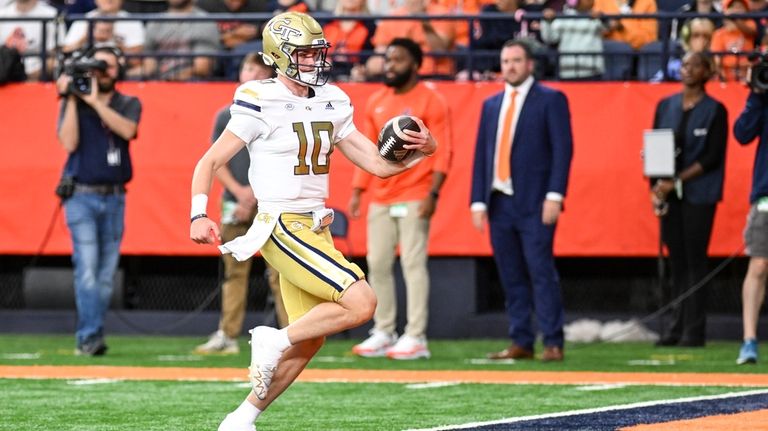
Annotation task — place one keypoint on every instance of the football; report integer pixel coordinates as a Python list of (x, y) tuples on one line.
[(392, 138)]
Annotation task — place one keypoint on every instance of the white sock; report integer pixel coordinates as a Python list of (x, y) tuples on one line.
[(281, 340), (246, 412)]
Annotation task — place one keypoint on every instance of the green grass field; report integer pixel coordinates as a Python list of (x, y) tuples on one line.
[(179, 405)]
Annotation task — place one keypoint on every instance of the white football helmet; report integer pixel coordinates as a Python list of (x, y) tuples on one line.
[(285, 36)]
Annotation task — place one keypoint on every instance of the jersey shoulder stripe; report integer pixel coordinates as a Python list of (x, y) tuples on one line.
[(245, 104)]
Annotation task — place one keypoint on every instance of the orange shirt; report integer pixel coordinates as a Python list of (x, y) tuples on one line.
[(468, 7), (636, 32), (412, 29), (734, 67), (343, 42), (415, 183)]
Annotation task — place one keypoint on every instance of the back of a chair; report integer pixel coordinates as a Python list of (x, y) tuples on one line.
[(649, 60), (340, 226), (340, 229), (618, 60)]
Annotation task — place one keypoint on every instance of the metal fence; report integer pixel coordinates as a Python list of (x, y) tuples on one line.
[(621, 63)]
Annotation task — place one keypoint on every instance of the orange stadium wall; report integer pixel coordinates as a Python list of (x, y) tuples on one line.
[(607, 209)]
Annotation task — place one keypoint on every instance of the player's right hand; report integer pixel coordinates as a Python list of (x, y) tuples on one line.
[(204, 231)]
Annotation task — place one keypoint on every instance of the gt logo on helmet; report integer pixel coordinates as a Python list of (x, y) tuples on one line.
[(281, 27)]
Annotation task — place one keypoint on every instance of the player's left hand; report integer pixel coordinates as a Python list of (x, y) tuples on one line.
[(422, 140)]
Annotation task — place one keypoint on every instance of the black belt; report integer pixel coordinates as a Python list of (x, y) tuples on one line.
[(101, 189)]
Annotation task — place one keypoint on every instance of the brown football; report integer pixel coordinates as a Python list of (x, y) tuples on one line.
[(392, 138)]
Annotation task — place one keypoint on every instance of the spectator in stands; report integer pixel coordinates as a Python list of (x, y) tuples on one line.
[(382, 7), (520, 175), (760, 6), (693, 8), (733, 41), (686, 203), (431, 35), (348, 37), (238, 208), (193, 39), (753, 123), (532, 27), (696, 36), (490, 35), (576, 36), (72, 7), (26, 36), (635, 32), (95, 130), (280, 6), (401, 207), (126, 35), (462, 7), (237, 37)]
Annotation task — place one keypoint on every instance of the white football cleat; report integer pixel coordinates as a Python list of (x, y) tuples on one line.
[(230, 424), (408, 347), (264, 359), (376, 345)]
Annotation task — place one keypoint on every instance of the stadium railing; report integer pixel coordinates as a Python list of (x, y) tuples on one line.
[(640, 60)]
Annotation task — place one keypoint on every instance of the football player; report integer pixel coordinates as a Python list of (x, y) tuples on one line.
[(290, 126)]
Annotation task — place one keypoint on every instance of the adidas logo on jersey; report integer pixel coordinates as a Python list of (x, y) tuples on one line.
[(329, 106)]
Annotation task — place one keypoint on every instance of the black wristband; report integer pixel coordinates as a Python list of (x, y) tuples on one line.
[(434, 194), (199, 216)]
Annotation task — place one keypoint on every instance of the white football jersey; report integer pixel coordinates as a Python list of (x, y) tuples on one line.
[(290, 140)]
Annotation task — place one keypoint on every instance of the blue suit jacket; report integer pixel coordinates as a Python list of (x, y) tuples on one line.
[(542, 148)]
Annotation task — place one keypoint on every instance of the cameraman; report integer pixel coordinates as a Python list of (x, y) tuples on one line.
[(753, 122), (95, 129)]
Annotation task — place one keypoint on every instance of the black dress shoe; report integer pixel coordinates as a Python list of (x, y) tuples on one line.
[(667, 341), (687, 342)]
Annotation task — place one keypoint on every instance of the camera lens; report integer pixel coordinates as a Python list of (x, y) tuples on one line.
[(759, 80)]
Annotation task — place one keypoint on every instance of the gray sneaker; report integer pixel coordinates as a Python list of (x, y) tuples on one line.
[(219, 343), (95, 347)]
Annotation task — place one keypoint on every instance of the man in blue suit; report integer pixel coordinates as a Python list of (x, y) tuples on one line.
[(522, 162)]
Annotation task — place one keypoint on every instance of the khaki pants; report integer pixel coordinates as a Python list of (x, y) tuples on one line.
[(234, 289), (412, 234)]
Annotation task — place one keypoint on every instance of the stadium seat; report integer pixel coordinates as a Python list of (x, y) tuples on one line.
[(670, 5), (649, 60), (340, 229), (618, 60)]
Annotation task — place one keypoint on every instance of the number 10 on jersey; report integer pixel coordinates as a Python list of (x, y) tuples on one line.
[(302, 168)]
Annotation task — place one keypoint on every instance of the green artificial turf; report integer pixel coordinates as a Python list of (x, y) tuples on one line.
[(174, 405), (717, 357), (64, 405)]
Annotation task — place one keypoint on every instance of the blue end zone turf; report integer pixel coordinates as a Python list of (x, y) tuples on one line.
[(614, 419)]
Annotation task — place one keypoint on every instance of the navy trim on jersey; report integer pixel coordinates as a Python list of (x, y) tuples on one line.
[(320, 253), (309, 268), (245, 104)]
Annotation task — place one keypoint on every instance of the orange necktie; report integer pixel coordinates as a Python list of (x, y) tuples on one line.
[(505, 144)]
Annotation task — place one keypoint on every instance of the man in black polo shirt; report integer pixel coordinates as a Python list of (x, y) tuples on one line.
[(95, 129)]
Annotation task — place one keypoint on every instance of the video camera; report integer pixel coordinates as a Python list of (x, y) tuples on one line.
[(80, 67), (758, 80)]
